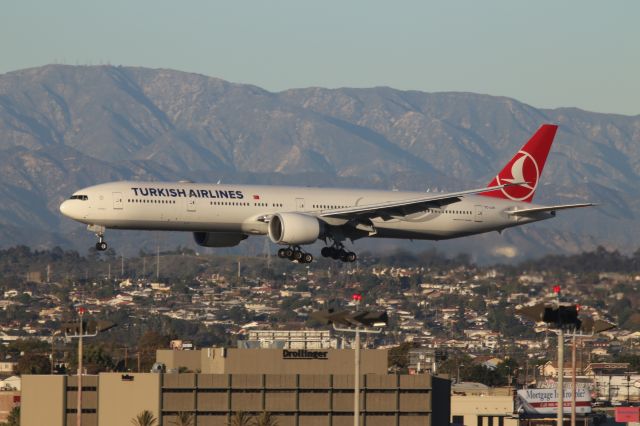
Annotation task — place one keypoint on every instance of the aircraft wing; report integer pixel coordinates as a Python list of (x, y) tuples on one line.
[(390, 209), (548, 209)]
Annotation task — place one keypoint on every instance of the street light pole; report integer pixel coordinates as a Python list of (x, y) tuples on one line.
[(79, 393), (356, 377), (560, 389), (573, 380), (73, 331), (356, 322), (356, 382)]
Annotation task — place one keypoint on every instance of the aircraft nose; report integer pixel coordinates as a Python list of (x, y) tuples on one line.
[(65, 208)]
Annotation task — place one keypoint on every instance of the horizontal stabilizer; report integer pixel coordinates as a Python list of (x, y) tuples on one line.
[(526, 212)]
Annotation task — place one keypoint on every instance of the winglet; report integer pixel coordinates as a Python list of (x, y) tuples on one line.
[(525, 166)]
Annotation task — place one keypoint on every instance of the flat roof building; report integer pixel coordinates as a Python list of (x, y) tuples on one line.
[(298, 387)]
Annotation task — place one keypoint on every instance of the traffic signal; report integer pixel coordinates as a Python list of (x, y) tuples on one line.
[(591, 326), (72, 329), (564, 316), (353, 319)]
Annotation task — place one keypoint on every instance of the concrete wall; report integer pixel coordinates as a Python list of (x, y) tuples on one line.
[(472, 407), (43, 400), (302, 399), (176, 359), (272, 361), (121, 400), (305, 399), (89, 400)]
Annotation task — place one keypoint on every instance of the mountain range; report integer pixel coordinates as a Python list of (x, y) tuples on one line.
[(66, 127)]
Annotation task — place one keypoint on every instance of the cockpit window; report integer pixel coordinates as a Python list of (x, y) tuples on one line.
[(79, 197)]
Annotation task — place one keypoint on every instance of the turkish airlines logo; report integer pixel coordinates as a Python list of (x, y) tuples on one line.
[(523, 169)]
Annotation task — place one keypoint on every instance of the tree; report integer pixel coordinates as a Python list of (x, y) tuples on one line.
[(240, 418), (398, 357), (31, 363), (145, 418), (266, 419), (147, 346), (14, 417), (96, 359), (183, 418)]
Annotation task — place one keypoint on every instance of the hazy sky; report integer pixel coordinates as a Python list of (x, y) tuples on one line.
[(545, 53)]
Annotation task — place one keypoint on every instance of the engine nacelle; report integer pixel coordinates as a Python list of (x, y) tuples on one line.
[(218, 239), (294, 228)]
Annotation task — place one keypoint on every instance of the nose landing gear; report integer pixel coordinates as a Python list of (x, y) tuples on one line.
[(101, 245)]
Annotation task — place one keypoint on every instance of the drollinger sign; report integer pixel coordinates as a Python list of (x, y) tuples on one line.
[(545, 401)]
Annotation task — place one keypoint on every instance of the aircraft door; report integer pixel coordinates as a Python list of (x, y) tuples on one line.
[(299, 204), (191, 205), (477, 216), (117, 200)]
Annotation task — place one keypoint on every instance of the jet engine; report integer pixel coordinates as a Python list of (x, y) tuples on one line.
[(218, 239), (294, 228)]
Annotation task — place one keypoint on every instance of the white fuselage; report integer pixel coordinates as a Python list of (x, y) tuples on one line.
[(240, 208)]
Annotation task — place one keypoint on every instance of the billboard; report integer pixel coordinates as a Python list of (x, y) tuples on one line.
[(545, 401), (627, 414)]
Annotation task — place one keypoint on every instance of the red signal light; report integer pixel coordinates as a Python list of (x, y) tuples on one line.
[(556, 289), (357, 297)]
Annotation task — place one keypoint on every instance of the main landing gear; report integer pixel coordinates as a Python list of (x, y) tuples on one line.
[(295, 253), (338, 252)]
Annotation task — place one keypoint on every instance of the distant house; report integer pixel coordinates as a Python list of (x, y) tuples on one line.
[(7, 367), (550, 369), (607, 369), (11, 383)]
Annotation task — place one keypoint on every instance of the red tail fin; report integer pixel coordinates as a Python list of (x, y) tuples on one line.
[(526, 166)]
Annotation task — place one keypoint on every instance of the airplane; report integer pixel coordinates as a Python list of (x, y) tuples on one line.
[(223, 215)]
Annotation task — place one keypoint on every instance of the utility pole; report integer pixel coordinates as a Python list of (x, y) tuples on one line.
[(53, 362), (122, 266), (158, 263)]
